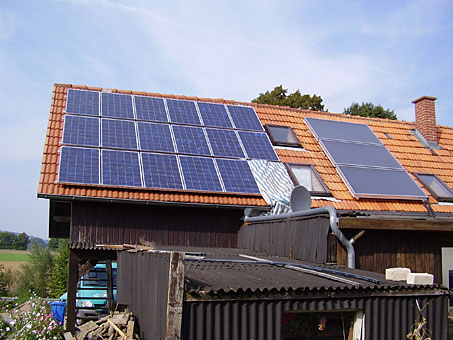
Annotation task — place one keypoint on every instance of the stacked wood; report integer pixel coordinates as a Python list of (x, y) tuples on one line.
[(119, 326)]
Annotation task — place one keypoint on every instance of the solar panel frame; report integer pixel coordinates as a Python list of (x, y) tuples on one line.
[(245, 118), (90, 105), (155, 137), (183, 112), (161, 171), (360, 179), (74, 167), (237, 176), (119, 134), (214, 115), (117, 105), (150, 109), (121, 168), (200, 174), (257, 145), (81, 130), (191, 140), (225, 143)]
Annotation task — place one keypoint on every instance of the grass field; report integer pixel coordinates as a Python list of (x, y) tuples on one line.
[(9, 255)]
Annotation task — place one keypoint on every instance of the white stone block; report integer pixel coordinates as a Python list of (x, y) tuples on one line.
[(420, 278), (397, 274)]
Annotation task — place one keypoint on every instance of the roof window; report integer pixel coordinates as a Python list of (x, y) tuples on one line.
[(307, 176), (282, 135), (435, 186)]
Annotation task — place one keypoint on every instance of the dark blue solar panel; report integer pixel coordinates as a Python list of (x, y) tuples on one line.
[(117, 105), (121, 168), (214, 115), (118, 134), (79, 165), (257, 145), (81, 130), (161, 171), (155, 137), (148, 108), (237, 176), (83, 102), (224, 143), (245, 117), (183, 111), (200, 174), (190, 140)]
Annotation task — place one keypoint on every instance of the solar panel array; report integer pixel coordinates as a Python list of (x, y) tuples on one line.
[(135, 141), (367, 167)]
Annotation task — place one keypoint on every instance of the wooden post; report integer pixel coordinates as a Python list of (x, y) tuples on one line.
[(175, 296), (108, 270), (72, 291)]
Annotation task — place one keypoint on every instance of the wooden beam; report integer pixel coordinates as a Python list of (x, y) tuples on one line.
[(109, 275), (72, 291), (175, 296), (395, 224)]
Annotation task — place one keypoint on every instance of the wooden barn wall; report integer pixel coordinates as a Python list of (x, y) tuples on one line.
[(119, 223), (420, 251)]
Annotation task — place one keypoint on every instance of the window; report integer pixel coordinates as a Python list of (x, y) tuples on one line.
[(282, 135), (307, 176), (435, 186)]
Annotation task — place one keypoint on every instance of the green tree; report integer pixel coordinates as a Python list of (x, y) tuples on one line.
[(35, 275), (279, 96), (59, 277), (53, 244), (369, 110), (22, 241)]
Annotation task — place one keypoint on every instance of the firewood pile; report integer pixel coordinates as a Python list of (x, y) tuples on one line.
[(120, 326)]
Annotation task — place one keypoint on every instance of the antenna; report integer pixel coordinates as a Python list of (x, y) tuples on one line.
[(300, 199)]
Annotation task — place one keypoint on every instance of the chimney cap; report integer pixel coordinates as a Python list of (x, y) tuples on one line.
[(422, 98)]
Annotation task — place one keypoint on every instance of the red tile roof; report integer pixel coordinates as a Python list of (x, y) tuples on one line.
[(404, 146)]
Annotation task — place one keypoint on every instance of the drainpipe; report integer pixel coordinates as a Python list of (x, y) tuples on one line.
[(333, 222)]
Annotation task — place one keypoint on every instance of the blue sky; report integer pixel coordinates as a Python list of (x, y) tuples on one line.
[(384, 52)]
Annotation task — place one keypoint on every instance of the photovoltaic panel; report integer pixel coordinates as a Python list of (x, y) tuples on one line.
[(245, 117), (200, 173), (121, 168), (155, 137), (117, 105), (190, 140), (83, 102), (79, 165), (80, 130), (149, 108), (237, 176), (183, 112), (372, 182), (361, 154), (257, 145), (118, 134), (224, 143), (161, 171), (331, 129), (214, 115)]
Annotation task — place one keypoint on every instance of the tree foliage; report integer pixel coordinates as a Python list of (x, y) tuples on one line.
[(369, 110), (14, 241), (59, 277), (280, 96)]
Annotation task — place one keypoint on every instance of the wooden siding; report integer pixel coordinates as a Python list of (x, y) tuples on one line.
[(420, 251), (117, 223)]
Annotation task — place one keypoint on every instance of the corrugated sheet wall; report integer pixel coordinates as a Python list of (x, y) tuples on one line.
[(386, 318), (303, 239), (142, 282)]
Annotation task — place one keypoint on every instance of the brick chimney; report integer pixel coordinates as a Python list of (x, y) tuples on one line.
[(425, 118)]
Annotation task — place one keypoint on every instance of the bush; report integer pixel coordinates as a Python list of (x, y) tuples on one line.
[(59, 277), (6, 280)]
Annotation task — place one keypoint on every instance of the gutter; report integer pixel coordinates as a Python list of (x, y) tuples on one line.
[(333, 222)]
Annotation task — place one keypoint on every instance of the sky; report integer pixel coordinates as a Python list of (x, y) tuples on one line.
[(385, 52)]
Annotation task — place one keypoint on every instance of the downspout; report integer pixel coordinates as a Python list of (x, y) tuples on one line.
[(333, 222)]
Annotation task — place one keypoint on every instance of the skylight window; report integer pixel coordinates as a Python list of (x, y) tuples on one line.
[(282, 136), (307, 176), (435, 186)]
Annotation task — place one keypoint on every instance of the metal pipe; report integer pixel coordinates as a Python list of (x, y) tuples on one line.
[(333, 222)]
